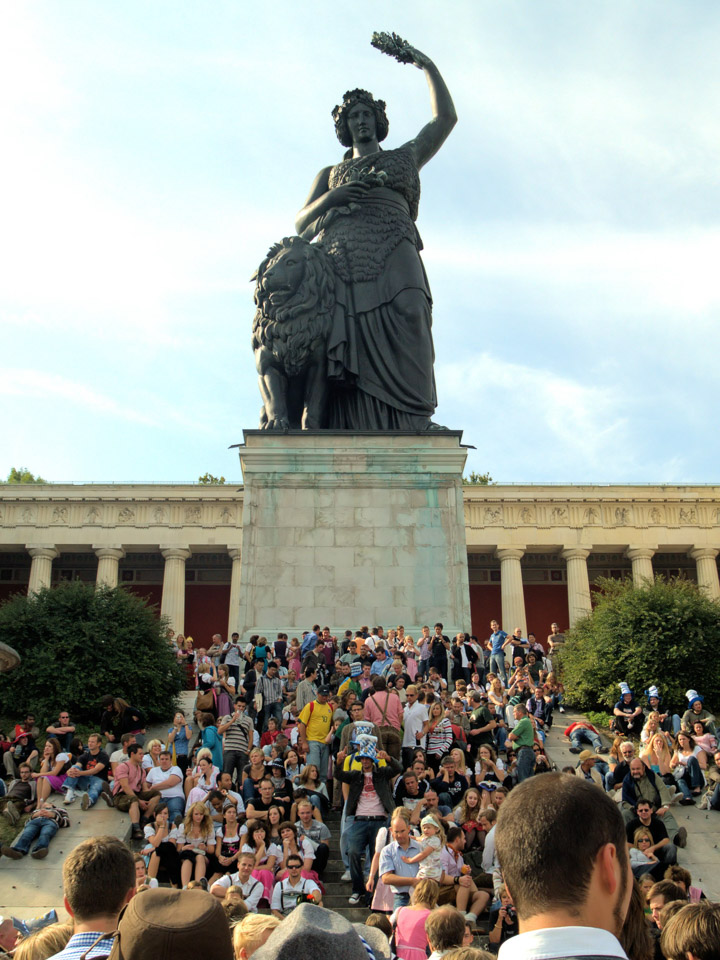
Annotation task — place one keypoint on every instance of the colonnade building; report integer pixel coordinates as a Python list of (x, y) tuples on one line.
[(533, 550)]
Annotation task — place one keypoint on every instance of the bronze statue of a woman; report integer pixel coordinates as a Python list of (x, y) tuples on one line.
[(363, 211)]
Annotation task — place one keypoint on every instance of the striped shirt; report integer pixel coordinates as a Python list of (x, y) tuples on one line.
[(238, 735)]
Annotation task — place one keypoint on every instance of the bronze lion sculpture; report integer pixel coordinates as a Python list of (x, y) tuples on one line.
[(295, 297)]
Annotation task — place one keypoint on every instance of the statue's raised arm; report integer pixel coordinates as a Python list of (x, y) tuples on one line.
[(434, 134)]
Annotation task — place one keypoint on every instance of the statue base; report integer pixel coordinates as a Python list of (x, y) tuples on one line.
[(345, 529)]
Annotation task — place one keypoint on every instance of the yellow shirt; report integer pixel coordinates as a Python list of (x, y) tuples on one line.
[(317, 718)]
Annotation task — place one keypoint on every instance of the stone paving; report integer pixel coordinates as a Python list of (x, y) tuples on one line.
[(30, 887)]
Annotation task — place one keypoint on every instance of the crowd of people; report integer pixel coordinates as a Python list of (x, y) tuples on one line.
[(415, 743)]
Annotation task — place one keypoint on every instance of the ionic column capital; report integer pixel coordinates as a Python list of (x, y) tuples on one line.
[(575, 553), (640, 553), (510, 553), (109, 553), (46, 551), (175, 553), (703, 553), (235, 553)]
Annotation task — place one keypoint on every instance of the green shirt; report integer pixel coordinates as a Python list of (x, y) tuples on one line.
[(524, 733)]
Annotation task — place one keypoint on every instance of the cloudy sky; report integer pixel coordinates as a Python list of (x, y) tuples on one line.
[(152, 153)]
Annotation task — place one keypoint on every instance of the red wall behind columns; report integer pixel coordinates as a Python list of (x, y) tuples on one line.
[(545, 605), (206, 611), (152, 592), (485, 604)]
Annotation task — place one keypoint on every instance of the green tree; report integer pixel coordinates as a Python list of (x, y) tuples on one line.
[(209, 478), (666, 632), (478, 479), (23, 475), (78, 644)]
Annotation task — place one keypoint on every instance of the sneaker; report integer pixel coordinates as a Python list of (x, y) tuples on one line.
[(676, 798), (11, 814), (85, 802), (346, 877), (355, 899), (39, 854), (107, 797), (575, 750), (69, 796), (12, 853), (680, 839), (561, 709)]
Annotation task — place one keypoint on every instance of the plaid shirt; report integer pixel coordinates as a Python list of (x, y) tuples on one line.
[(79, 943)]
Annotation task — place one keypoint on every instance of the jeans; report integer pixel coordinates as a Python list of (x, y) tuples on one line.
[(319, 755), (361, 834), (400, 900), (273, 710), (423, 668), (345, 823), (691, 779), (175, 805), (581, 735), (715, 798), (501, 737), (42, 829), (93, 785), (525, 763), (233, 763), (497, 665)]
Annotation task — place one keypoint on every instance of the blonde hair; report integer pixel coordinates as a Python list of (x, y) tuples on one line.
[(207, 827), (45, 943), (426, 891), (252, 932), (465, 812), (154, 743)]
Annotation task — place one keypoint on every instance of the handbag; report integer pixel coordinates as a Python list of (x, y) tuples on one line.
[(205, 701)]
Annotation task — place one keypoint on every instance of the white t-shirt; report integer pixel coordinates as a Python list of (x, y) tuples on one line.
[(119, 756), (156, 775), (414, 718), (251, 891), (150, 831), (283, 898), (272, 850)]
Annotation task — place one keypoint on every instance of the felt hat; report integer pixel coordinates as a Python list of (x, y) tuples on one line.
[(586, 755), (693, 696), (310, 932), (624, 688), (170, 925), (653, 692), (367, 747), (362, 728)]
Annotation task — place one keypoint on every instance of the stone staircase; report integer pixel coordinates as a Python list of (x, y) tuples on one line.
[(337, 892)]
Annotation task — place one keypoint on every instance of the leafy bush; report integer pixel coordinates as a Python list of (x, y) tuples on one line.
[(666, 633), (78, 644)]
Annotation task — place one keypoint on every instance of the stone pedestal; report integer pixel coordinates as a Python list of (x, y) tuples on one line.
[(348, 529)]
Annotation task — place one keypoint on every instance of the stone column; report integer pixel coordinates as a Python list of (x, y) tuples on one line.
[(41, 566), (108, 562), (173, 595), (707, 571), (579, 604), (234, 610), (511, 589), (642, 568)]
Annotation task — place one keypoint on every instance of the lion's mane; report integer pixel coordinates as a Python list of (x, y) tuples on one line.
[(288, 330)]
